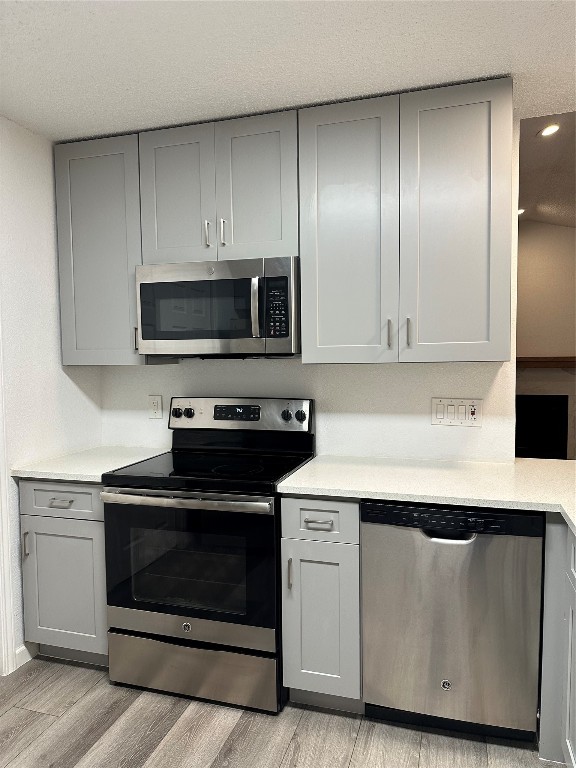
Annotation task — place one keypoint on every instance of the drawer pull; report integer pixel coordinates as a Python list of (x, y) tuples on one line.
[(61, 503), (25, 548), (289, 573), (310, 521)]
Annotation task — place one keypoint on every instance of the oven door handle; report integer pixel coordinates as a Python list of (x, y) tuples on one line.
[(254, 507)]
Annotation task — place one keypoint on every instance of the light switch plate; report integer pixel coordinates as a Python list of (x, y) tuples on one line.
[(457, 412), (154, 406)]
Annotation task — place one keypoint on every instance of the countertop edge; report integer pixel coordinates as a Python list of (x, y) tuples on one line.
[(60, 477), (85, 466), (285, 489)]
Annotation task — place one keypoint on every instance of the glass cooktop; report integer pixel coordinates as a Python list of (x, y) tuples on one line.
[(217, 471)]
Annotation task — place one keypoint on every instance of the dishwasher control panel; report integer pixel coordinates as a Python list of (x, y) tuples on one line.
[(457, 519)]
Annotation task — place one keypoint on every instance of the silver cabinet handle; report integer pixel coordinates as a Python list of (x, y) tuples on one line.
[(254, 308), (25, 543), (408, 332), (136, 338), (389, 333), (222, 240), (60, 503), (310, 521), (207, 233), (289, 573)]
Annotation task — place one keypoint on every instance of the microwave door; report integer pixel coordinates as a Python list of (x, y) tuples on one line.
[(201, 309)]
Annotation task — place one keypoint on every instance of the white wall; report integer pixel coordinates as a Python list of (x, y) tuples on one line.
[(374, 410), (546, 290), (47, 410)]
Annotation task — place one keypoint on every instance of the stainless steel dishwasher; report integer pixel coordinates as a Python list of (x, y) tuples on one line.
[(451, 615)]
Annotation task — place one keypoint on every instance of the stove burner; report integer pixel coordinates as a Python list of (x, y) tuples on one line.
[(233, 470)]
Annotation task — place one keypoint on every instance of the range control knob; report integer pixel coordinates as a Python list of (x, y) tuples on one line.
[(300, 416), (286, 414), (189, 413), (177, 413)]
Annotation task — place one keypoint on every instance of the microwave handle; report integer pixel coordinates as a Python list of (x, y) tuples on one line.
[(254, 307)]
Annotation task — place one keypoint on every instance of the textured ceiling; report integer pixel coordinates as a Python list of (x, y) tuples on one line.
[(78, 69), (548, 170)]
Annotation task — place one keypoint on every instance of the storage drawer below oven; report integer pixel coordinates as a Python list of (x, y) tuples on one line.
[(231, 678), (194, 630)]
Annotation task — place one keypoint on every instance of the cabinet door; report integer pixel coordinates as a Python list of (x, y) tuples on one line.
[(349, 231), (178, 198), (257, 186), (321, 617), (98, 215), (64, 583), (456, 222), (569, 740)]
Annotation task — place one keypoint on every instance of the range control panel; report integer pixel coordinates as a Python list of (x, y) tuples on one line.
[(237, 412), (288, 415), (453, 519)]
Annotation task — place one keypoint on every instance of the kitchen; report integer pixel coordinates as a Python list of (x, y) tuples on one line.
[(360, 410)]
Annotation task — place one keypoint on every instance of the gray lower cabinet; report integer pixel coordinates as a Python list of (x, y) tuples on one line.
[(225, 190), (98, 218), (321, 617), (569, 693), (63, 571)]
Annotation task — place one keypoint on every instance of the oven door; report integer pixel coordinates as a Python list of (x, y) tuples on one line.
[(201, 569), (202, 308)]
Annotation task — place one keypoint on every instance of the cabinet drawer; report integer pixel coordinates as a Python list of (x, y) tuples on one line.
[(321, 520), (74, 500)]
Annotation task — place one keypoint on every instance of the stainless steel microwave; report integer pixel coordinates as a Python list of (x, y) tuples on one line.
[(241, 308)]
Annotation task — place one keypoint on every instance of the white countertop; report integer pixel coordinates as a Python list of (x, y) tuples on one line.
[(537, 484), (86, 466)]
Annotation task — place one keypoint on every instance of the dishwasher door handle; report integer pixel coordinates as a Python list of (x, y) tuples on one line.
[(464, 538)]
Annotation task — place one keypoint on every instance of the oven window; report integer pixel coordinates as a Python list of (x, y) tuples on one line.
[(199, 309), (192, 570), (207, 564)]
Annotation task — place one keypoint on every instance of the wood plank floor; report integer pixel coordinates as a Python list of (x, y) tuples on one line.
[(59, 715)]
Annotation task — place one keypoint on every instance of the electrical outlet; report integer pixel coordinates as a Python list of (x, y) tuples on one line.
[(154, 406), (456, 412)]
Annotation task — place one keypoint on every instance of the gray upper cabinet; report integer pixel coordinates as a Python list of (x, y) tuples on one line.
[(406, 226), (98, 217), (226, 190), (456, 222), (257, 186), (178, 206), (349, 197)]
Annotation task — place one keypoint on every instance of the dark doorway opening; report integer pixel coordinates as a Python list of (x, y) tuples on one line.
[(542, 426)]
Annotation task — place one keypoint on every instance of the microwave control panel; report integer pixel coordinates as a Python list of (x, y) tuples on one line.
[(277, 309)]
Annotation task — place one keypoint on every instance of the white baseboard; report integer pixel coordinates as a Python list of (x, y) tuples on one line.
[(24, 653)]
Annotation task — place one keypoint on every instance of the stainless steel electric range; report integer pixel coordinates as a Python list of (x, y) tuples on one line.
[(192, 542)]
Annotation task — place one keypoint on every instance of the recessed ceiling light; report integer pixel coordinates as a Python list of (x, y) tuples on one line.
[(521, 211), (549, 130)]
